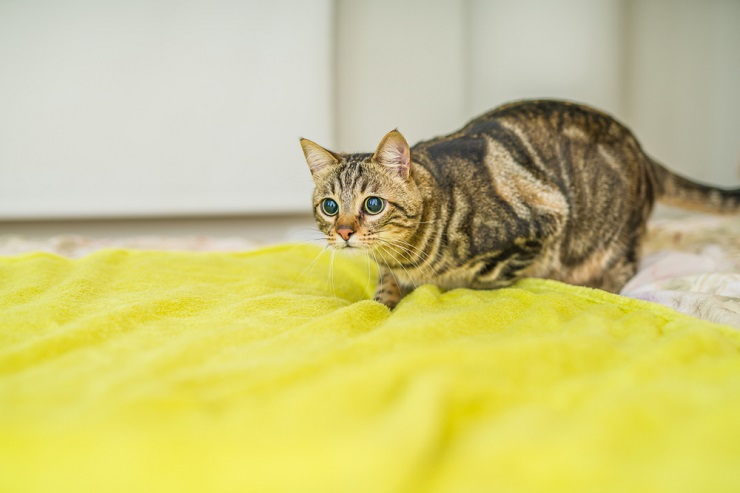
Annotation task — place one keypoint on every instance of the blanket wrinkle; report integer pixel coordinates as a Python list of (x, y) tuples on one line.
[(273, 371)]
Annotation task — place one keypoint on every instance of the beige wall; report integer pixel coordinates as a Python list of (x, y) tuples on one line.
[(683, 84), (669, 69), (427, 67), (164, 108), (399, 64), (115, 108)]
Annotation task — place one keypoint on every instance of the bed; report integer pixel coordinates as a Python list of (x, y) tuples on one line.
[(205, 364)]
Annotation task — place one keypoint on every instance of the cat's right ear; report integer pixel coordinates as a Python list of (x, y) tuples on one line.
[(317, 157)]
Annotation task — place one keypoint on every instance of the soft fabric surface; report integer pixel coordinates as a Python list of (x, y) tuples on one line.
[(692, 262), (692, 265), (159, 371)]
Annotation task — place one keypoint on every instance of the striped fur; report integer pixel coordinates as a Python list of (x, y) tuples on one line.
[(531, 189)]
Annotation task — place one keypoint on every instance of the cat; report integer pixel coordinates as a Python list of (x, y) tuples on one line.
[(538, 188)]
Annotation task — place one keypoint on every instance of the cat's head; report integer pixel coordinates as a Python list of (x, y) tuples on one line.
[(365, 201)]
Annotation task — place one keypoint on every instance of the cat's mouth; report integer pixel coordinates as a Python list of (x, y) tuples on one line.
[(341, 245), (351, 244)]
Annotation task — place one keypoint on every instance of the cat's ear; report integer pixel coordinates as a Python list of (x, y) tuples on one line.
[(393, 151), (317, 157)]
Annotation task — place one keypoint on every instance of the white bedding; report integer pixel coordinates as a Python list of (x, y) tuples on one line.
[(693, 266)]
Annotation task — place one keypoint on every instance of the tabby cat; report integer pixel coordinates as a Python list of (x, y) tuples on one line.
[(531, 189)]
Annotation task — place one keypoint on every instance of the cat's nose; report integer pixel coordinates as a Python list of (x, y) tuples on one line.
[(345, 232)]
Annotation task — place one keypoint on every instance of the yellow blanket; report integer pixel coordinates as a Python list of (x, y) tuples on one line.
[(176, 372)]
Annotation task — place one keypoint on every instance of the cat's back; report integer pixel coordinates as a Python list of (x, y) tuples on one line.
[(553, 141), (526, 125), (545, 114)]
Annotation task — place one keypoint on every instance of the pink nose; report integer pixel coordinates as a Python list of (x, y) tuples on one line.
[(345, 232)]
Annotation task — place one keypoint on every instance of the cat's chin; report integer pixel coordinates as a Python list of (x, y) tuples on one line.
[(351, 248)]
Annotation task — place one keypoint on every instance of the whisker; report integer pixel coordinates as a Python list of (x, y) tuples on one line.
[(311, 265), (301, 243), (331, 273), (310, 273), (405, 254), (369, 274), (380, 270), (399, 263), (423, 256)]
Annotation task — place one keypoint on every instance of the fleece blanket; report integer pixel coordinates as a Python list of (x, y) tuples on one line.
[(272, 371)]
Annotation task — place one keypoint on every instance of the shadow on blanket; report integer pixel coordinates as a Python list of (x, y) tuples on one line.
[(160, 371)]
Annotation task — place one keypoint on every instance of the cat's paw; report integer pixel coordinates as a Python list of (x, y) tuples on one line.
[(387, 291), (387, 302)]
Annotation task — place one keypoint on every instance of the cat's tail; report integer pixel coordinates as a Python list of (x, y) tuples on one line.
[(677, 191)]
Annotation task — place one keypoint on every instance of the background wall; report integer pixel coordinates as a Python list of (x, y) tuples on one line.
[(681, 78), (669, 69), (167, 108), (162, 107)]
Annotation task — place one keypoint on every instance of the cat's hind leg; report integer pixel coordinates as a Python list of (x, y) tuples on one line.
[(617, 276)]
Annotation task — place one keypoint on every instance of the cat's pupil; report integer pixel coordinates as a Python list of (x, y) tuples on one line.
[(374, 205), (329, 206)]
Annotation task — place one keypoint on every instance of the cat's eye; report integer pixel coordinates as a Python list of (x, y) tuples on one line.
[(329, 207), (374, 205)]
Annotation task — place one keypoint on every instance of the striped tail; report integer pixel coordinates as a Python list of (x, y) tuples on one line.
[(676, 191)]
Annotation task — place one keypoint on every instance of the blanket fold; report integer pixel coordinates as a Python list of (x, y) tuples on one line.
[(272, 370)]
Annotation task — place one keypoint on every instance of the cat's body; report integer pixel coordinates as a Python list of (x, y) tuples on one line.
[(531, 189)]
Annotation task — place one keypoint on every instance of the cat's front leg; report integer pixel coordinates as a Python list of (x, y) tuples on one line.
[(388, 292)]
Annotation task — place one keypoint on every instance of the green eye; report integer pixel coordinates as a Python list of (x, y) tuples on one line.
[(373, 205), (329, 207)]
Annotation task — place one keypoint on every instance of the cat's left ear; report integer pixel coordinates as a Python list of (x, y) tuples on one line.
[(393, 151)]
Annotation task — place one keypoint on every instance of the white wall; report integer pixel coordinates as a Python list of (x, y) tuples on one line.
[(427, 67), (399, 64), (164, 107), (570, 49), (683, 85), (161, 107), (669, 69)]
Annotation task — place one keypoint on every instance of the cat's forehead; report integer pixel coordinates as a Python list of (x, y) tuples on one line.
[(352, 168), (356, 160), (354, 172)]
